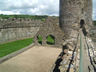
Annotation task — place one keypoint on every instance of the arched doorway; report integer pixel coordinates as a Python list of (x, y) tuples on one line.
[(50, 40), (82, 22)]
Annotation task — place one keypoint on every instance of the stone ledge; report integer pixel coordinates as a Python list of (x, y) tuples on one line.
[(3, 59)]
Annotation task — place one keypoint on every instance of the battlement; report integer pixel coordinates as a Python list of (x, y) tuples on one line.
[(18, 23), (22, 23)]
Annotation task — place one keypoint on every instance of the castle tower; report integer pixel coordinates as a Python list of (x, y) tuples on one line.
[(74, 13)]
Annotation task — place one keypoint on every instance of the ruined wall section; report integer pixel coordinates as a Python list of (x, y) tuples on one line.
[(16, 29), (51, 27)]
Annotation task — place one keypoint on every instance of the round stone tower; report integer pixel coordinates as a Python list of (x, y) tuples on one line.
[(73, 14)]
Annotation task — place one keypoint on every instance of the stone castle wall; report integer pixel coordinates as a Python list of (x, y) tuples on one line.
[(19, 23), (72, 12), (12, 34), (15, 29), (51, 28)]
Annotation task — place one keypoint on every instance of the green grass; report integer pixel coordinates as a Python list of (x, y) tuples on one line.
[(11, 47), (50, 40), (40, 39)]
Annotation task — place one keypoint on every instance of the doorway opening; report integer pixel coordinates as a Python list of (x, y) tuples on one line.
[(82, 22)]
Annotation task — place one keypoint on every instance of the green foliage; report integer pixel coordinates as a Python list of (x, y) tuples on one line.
[(43, 19), (94, 22), (40, 39), (50, 40), (11, 47), (24, 16)]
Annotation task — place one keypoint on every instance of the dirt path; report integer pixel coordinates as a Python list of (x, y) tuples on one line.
[(36, 59)]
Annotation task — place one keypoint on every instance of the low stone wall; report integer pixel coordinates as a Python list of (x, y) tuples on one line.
[(92, 33), (12, 34)]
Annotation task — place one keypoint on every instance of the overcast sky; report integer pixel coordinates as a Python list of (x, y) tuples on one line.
[(34, 7)]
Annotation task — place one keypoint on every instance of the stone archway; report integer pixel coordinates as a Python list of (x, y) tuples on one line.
[(82, 25)]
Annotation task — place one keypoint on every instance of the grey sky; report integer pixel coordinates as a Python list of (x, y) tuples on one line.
[(34, 7)]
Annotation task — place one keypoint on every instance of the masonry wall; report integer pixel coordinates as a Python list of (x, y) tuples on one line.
[(16, 29), (11, 30), (72, 12), (12, 34)]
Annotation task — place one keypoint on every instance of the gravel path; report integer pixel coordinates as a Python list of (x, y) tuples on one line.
[(36, 59)]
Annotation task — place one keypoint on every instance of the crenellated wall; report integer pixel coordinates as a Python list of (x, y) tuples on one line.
[(15, 29), (19, 23)]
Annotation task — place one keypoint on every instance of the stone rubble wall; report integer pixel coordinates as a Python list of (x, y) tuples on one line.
[(51, 27), (16, 29), (18, 23), (12, 34)]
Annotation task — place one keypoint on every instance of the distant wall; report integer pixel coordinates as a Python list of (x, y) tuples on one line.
[(16, 29), (19, 23), (12, 34)]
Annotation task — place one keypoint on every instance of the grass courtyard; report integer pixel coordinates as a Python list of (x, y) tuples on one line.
[(10, 47)]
